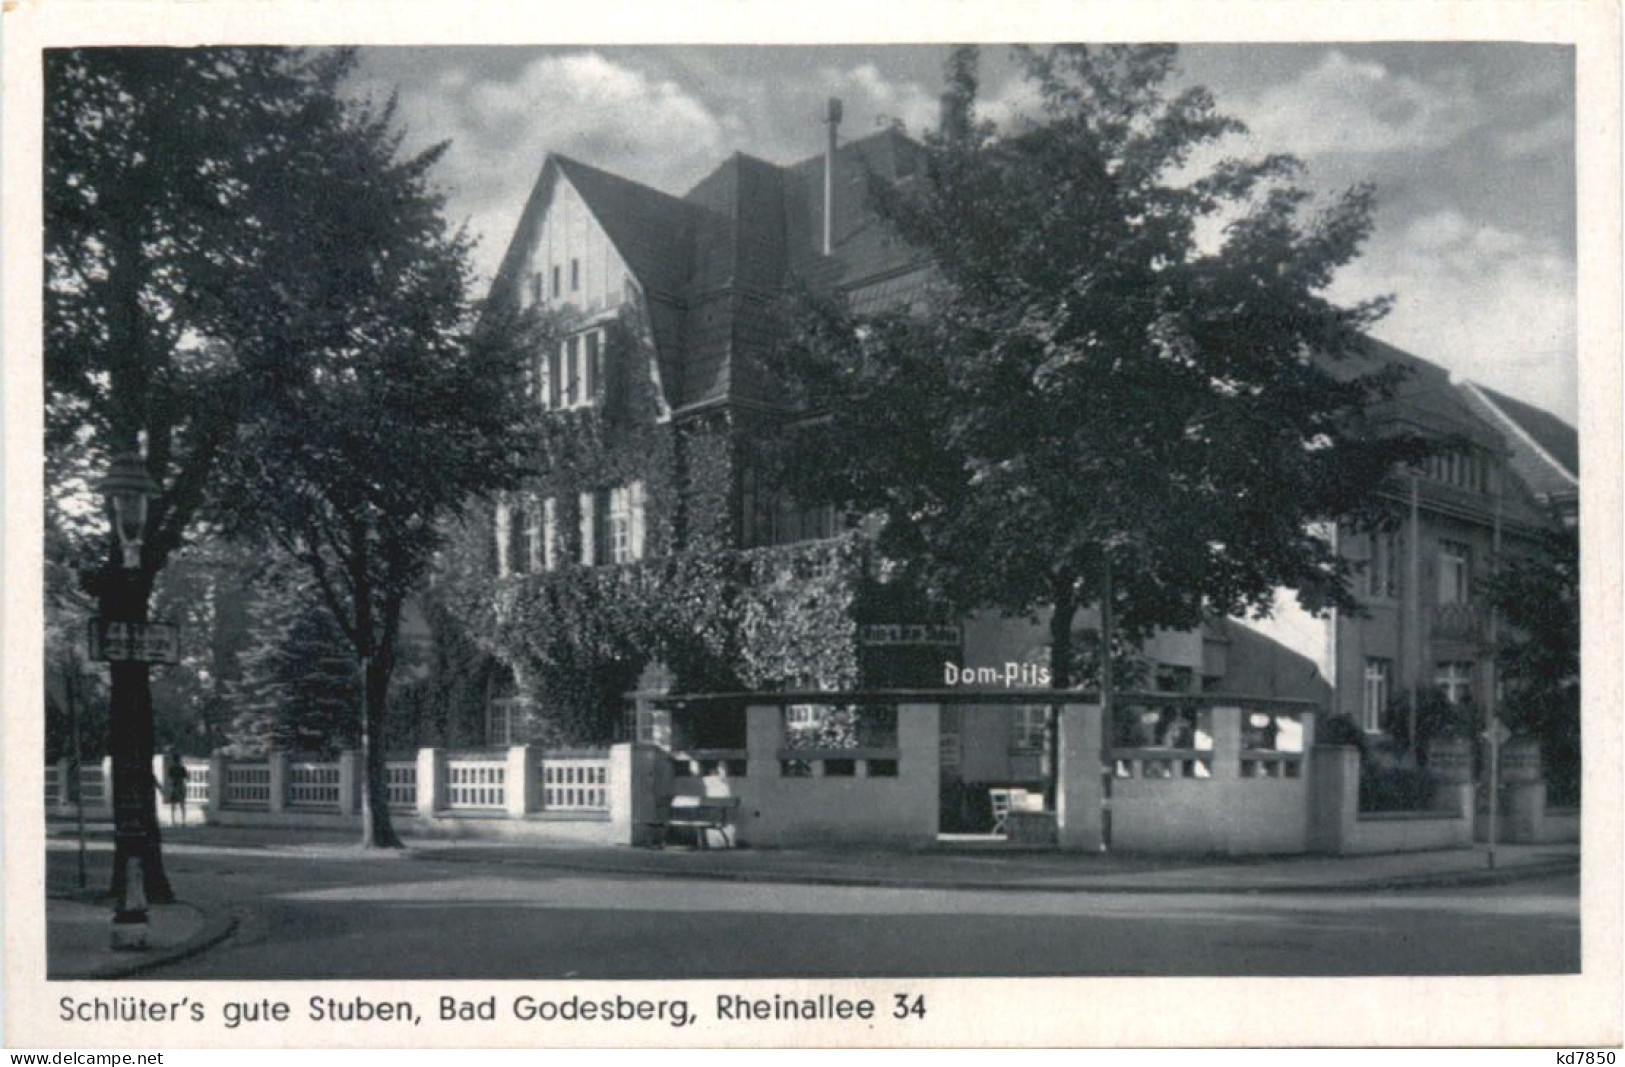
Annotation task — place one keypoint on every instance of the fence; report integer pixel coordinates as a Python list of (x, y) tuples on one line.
[(476, 784), (401, 782), (572, 783)]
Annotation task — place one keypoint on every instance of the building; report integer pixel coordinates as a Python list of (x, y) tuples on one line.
[(603, 577), (1423, 626)]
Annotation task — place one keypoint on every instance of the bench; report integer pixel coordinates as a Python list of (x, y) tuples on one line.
[(700, 814)]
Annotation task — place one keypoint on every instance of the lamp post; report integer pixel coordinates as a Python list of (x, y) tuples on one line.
[(122, 599)]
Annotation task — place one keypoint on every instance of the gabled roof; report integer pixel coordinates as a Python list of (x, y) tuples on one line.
[(713, 262), (1545, 450), (652, 231)]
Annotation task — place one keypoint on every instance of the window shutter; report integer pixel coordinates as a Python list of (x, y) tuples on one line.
[(533, 534), (550, 534), (502, 534), (516, 538), (589, 540), (600, 528), (595, 366), (636, 535)]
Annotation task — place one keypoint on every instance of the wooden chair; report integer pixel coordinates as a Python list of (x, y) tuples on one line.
[(1001, 809)]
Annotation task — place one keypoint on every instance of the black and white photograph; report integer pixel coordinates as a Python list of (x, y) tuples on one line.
[(554, 523)]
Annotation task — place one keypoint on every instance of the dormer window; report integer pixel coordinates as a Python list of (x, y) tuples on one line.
[(1464, 469), (572, 376)]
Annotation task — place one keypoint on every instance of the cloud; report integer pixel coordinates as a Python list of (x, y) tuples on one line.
[(1345, 105), (1521, 142), (870, 92), (582, 104), (1490, 304)]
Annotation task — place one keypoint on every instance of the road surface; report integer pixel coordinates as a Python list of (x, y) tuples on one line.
[(305, 917)]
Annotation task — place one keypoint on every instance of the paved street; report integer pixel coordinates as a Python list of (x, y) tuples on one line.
[(433, 917)]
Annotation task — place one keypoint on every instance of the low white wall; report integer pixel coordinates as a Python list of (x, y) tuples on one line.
[(553, 830), (779, 811), (1224, 813), (1408, 832)]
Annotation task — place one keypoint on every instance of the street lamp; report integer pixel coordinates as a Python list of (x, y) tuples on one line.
[(128, 490)]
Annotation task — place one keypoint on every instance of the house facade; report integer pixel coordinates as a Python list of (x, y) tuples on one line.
[(649, 553)]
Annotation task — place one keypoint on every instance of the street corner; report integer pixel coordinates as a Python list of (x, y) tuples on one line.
[(78, 937)]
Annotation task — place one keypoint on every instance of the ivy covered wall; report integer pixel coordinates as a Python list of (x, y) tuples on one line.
[(717, 616)]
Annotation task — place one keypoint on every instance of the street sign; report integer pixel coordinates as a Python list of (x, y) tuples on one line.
[(909, 634), (134, 642), (1497, 734)]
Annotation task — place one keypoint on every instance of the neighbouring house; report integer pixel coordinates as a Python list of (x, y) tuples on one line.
[(650, 555)]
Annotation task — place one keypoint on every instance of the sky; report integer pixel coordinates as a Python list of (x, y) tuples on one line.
[(1470, 146)]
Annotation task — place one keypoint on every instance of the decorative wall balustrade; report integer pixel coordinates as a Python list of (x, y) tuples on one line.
[(476, 784), (248, 785), (313, 785), (575, 783), (401, 781)]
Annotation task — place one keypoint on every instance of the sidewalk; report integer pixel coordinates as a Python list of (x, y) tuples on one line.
[(78, 935), (989, 865)]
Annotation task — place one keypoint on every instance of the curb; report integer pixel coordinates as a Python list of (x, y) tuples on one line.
[(217, 926), (1441, 879)]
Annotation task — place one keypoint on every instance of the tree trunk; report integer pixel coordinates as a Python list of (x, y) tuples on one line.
[(123, 597), (1064, 610), (377, 829)]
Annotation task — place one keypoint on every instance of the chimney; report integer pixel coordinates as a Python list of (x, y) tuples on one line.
[(832, 119)]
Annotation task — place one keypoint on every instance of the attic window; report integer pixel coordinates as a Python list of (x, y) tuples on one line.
[(575, 275), (555, 281), (574, 373)]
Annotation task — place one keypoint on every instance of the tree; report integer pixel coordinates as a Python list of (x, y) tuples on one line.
[(398, 403), (1129, 387), (159, 167), (1538, 655), (298, 691)]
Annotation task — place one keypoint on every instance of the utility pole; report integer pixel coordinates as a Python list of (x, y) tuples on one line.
[(1494, 731)]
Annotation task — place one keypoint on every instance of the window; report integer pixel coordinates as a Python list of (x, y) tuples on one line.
[(1027, 728), (572, 372), (1382, 569), (536, 535), (555, 280), (612, 525), (572, 375), (620, 525), (1455, 572), (575, 275), (1378, 682), (541, 377), (550, 534), (1454, 680), (595, 365), (505, 720), (536, 288), (1172, 679), (503, 533), (1464, 469), (1271, 731), (773, 518)]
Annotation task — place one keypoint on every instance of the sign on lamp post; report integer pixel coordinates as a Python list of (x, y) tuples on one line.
[(134, 642)]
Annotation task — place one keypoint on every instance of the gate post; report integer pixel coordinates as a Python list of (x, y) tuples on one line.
[(1079, 794), (634, 793)]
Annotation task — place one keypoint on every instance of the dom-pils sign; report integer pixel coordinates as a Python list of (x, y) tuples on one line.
[(134, 642)]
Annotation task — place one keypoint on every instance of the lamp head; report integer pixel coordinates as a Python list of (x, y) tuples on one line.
[(127, 489)]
